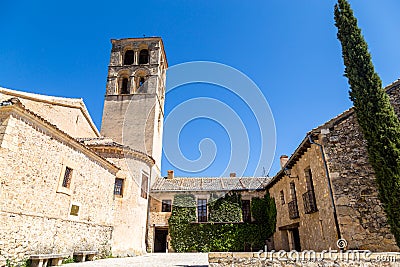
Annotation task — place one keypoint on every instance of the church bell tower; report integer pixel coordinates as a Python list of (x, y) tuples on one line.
[(133, 112)]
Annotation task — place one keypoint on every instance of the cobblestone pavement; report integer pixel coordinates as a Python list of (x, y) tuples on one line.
[(150, 260)]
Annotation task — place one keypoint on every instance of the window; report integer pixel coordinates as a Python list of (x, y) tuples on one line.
[(67, 177), (118, 186), (292, 191), (166, 206), (246, 210), (202, 210), (282, 197), (309, 201), (129, 57), (144, 56), (145, 186), (124, 86), (292, 205), (309, 180), (141, 81)]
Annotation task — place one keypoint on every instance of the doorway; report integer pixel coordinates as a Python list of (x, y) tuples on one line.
[(296, 239), (160, 240)]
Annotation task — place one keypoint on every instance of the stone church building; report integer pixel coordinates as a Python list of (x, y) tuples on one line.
[(64, 185)]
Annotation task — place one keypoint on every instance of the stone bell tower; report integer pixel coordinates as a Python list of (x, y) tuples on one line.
[(134, 102)]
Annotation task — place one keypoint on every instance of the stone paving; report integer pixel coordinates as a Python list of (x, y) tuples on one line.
[(150, 260)]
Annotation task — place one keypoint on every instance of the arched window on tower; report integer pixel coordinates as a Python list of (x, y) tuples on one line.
[(141, 81), (129, 57), (124, 86), (144, 56)]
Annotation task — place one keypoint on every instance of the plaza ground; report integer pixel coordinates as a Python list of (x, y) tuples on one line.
[(150, 260)]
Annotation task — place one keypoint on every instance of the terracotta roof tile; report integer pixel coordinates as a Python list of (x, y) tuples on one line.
[(209, 184)]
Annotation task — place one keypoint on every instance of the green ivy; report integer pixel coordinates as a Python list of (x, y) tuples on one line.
[(225, 209), (224, 232)]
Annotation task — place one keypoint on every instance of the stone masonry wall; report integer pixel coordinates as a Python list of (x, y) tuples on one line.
[(317, 230), (67, 116), (361, 217), (130, 210), (34, 214), (283, 259)]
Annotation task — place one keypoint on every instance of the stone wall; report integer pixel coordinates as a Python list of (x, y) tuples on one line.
[(158, 219), (130, 210), (68, 114), (344, 259), (362, 221), (136, 119), (317, 230), (361, 217), (35, 209)]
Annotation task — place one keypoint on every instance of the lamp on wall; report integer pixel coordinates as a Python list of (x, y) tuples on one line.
[(288, 172)]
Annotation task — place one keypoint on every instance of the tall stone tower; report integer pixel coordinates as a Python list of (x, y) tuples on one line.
[(134, 103)]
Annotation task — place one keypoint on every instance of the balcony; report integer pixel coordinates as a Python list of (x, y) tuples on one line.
[(293, 209), (310, 205)]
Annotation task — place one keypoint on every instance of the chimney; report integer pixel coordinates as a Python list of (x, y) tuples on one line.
[(232, 174), (283, 160), (170, 174)]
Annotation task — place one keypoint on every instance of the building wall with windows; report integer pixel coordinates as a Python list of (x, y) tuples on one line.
[(55, 194), (361, 220), (130, 205), (164, 190), (315, 228)]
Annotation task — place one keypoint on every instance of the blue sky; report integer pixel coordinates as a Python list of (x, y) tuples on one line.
[(288, 48)]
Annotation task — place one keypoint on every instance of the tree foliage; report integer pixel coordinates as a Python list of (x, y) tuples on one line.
[(376, 117)]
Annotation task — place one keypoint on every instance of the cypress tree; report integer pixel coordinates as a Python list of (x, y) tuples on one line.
[(375, 115)]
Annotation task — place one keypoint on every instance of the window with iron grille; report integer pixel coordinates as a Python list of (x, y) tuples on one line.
[(293, 191), (202, 210), (118, 186), (292, 205), (246, 212), (67, 177), (145, 186), (309, 201), (282, 197), (166, 205)]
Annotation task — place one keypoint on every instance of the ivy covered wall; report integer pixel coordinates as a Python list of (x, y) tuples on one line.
[(224, 230)]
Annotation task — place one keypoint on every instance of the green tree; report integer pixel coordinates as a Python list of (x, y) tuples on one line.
[(376, 117)]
